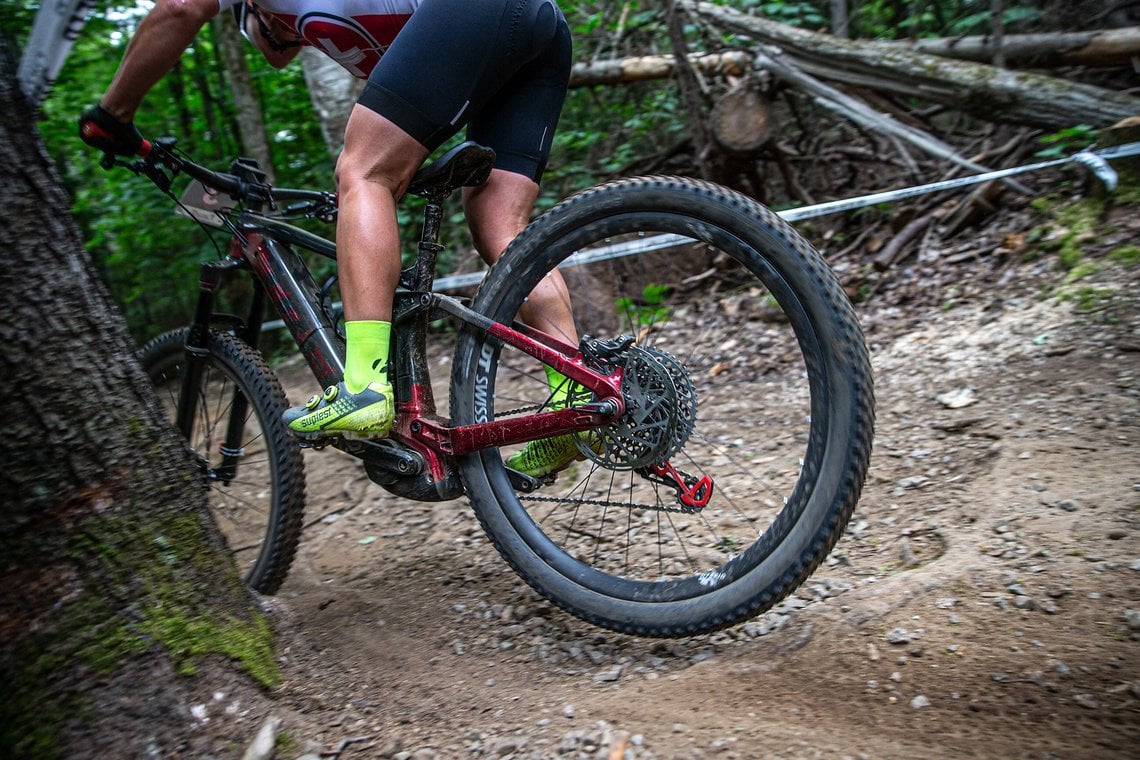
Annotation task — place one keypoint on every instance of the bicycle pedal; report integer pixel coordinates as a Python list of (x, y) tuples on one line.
[(316, 444), (524, 483)]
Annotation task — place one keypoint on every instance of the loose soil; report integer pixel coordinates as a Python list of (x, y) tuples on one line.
[(983, 602)]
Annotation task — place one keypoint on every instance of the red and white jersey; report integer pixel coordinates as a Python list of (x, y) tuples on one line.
[(354, 33)]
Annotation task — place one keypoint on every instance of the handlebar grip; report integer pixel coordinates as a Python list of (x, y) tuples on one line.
[(92, 130)]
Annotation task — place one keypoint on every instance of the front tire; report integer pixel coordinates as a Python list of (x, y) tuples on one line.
[(259, 506)]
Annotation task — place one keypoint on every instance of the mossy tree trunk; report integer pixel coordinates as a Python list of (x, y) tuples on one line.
[(116, 590)]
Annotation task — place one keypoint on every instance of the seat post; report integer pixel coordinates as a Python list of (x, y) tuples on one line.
[(429, 247)]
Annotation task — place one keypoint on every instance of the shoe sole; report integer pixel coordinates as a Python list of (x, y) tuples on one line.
[(352, 435)]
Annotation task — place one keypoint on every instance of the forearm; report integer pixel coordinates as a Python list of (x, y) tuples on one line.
[(162, 37)]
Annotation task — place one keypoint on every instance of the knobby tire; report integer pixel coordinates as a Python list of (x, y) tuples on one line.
[(784, 421), (260, 509)]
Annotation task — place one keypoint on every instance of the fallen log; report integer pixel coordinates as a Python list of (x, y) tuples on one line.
[(740, 120), (1112, 47), (1109, 47), (774, 61), (624, 70), (985, 91)]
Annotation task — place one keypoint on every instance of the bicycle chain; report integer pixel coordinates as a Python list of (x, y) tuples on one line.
[(601, 503)]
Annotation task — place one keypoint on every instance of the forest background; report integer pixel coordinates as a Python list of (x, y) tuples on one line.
[(1058, 415), (150, 260)]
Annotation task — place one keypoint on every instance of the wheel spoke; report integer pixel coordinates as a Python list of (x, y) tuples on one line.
[(735, 363)]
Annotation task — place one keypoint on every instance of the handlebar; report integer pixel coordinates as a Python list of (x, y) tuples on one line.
[(156, 158)]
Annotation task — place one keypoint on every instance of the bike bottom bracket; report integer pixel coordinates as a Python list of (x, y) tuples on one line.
[(661, 411)]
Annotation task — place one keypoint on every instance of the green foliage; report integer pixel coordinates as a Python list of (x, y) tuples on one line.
[(1126, 254), (982, 22), (648, 310), (892, 19), (1071, 227), (802, 14), (150, 259), (1065, 141), (1088, 299), (1082, 270)]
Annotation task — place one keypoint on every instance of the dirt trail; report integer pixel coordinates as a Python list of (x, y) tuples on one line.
[(983, 602)]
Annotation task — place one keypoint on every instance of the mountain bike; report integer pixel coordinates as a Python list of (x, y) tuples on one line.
[(720, 396)]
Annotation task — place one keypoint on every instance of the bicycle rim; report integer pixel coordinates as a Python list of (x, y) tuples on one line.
[(737, 323)]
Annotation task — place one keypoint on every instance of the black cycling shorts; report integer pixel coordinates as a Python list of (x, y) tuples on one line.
[(500, 67)]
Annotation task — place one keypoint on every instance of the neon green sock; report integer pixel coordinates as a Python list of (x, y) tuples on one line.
[(366, 359), (559, 387)]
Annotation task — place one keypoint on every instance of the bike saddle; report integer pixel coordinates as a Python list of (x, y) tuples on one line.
[(466, 165)]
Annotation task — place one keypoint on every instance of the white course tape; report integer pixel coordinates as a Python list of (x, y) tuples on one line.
[(1096, 161)]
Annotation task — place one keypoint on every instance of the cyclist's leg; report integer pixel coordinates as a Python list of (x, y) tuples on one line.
[(396, 123), (497, 212), (378, 160), (519, 123)]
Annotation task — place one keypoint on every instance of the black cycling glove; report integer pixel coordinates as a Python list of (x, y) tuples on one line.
[(99, 129)]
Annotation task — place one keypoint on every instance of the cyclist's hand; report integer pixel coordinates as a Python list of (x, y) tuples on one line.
[(99, 129)]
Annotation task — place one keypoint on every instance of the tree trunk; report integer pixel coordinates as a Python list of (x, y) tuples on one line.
[(220, 131), (116, 585), (333, 92), (691, 94), (997, 32), (839, 19), (985, 91), (247, 108)]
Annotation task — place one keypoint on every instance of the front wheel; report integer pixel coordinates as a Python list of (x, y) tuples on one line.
[(253, 467), (749, 409)]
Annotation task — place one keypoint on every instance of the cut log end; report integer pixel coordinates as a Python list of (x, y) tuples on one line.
[(740, 120)]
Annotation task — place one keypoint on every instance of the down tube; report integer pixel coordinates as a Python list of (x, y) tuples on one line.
[(297, 299)]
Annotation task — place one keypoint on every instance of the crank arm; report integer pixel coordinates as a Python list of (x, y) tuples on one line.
[(385, 454)]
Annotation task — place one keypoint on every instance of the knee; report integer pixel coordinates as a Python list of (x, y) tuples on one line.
[(354, 170)]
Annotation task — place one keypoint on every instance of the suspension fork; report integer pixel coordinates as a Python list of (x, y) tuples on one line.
[(231, 447), (210, 276)]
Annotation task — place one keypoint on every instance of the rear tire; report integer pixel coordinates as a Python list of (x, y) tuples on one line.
[(260, 509), (773, 354)]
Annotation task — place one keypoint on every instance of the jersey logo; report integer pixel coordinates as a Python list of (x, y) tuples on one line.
[(357, 43)]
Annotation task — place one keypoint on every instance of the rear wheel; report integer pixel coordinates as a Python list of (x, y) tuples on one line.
[(749, 397), (256, 479)]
